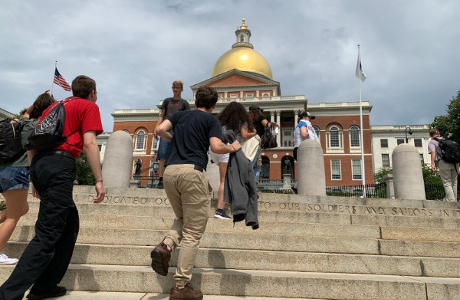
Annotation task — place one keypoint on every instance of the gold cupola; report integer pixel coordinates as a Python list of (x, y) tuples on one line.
[(242, 56)]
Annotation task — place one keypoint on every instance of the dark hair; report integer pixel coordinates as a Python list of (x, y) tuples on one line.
[(206, 97), (433, 132), (42, 102), (255, 115), (82, 86), (233, 116)]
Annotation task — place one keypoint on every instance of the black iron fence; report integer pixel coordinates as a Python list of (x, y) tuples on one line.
[(434, 191), (371, 190)]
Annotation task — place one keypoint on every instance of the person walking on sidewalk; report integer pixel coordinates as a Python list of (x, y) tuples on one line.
[(14, 177), (46, 258), (233, 117), (168, 108), (187, 187), (447, 171)]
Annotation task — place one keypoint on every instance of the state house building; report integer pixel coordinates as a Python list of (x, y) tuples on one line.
[(242, 74)]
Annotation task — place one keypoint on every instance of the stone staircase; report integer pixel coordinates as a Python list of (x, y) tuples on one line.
[(306, 248)]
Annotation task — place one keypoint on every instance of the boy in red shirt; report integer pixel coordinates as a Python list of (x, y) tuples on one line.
[(46, 258)]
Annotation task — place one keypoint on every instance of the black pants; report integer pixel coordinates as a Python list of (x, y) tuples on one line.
[(46, 258)]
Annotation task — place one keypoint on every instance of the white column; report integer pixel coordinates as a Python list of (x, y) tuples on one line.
[(296, 118), (272, 116), (278, 121)]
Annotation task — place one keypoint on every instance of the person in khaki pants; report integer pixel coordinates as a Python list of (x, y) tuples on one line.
[(188, 188)]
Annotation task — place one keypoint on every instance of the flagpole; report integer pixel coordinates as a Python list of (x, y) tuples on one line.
[(363, 169), (52, 83)]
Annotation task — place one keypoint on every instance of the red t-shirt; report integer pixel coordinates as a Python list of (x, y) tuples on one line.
[(81, 115)]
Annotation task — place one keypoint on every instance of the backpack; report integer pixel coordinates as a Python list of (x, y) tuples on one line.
[(10, 141), (268, 139), (47, 135), (450, 150)]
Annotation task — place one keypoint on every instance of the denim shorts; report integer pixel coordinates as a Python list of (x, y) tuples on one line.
[(163, 148), (14, 178)]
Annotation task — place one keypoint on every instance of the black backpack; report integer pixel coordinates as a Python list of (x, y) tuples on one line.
[(10, 141), (268, 140), (450, 150), (47, 135)]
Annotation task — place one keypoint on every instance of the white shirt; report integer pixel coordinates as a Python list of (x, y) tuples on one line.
[(311, 133)]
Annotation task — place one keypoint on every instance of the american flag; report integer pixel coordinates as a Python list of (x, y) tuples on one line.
[(59, 80)]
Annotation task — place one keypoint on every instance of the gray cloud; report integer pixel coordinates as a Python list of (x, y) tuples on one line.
[(135, 49)]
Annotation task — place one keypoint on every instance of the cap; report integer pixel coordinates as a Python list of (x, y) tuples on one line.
[(306, 114), (254, 107)]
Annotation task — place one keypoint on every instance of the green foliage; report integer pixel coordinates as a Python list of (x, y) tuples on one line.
[(378, 176), (84, 175), (449, 125)]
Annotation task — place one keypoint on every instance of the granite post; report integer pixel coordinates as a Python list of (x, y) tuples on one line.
[(407, 173), (116, 168), (310, 169)]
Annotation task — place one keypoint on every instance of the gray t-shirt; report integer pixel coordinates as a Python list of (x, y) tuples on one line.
[(171, 106), (433, 145)]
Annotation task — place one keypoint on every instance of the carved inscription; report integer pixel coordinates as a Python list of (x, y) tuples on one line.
[(116, 199)]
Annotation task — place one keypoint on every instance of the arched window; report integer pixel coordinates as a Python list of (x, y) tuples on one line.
[(334, 137), (316, 128), (155, 144), (140, 138), (354, 136), (265, 170), (241, 38)]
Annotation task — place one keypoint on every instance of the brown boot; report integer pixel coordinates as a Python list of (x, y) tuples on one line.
[(186, 293), (160, 259)]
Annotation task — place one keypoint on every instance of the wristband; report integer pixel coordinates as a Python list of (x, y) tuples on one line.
[(233, 148)]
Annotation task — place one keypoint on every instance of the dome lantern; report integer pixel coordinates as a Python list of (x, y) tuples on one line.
[(242, 36)]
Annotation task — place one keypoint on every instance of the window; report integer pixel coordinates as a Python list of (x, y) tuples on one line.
[(316, 128), (265, 169), (249, 95), (241, 38), (140, 140), (418, 143), (400, 141), (422, 160), (354, 136), (334, 137), (383, 143), (287, 138), (386, 160), (265, 95), (233, 96), (336, 172), (356, 169), (155, 144)]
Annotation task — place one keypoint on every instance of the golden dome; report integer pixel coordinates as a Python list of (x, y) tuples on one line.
[(243, 59)]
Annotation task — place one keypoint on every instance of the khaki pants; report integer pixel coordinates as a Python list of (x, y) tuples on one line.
[(188, 191), (449, 180)]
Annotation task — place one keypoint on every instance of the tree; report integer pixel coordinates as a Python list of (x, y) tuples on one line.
[(449, 125), (84, 175)]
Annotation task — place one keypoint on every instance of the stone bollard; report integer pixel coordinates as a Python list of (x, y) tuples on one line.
[(118, 159), (407, 173), (390, 188), (311, 179)]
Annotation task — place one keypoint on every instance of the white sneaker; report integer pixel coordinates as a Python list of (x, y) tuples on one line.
[(5, 260)]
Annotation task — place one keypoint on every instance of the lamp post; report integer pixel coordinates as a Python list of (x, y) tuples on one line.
[(156, 166), (408, 130)]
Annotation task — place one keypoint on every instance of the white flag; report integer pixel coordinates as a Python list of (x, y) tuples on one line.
[(359, 69)]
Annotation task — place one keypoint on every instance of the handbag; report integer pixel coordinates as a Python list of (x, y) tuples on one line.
[(250, 147), (268, 139)]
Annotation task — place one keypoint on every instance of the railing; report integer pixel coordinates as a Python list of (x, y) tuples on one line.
[(435, 192), (147, 181), (372, 191)]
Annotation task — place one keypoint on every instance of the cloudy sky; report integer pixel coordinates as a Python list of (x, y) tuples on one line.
[(135, 49)]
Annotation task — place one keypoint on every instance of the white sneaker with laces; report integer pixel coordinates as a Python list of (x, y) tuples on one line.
[(5, 260)]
